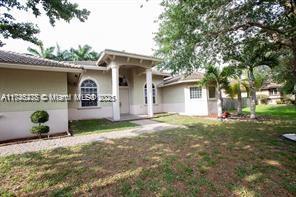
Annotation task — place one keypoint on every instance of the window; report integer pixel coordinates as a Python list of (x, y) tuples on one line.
[(153, 94), (195, 92), (88, 88), (123, 81), (212, 92), (273, 91)]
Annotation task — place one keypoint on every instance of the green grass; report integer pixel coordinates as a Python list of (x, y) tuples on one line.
[(209, 158), (83, 127), (277, 111)]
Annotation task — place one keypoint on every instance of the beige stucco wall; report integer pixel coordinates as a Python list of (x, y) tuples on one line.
[(136, 80), (174, 98), (138, 105), (14, 81), (104, 82), (15, 116), (272, 99)]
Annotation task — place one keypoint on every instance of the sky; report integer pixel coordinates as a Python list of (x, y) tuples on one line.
[(113, 24)]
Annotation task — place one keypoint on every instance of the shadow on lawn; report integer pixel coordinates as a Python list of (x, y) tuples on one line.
[(205, 159)]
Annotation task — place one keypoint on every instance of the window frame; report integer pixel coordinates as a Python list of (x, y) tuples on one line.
[(154, 101), (212, 98), (195, 87), (272, 90), (80, 93)]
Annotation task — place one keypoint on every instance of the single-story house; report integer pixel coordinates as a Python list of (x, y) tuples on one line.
[(125, 83), (272, 91)]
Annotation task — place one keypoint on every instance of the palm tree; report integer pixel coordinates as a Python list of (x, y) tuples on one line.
[(249, 55), (219, 77), (84, 53), (62, 55), (42, 52), (235, 89)]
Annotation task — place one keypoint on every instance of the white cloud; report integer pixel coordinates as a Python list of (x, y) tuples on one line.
[(114, 24)]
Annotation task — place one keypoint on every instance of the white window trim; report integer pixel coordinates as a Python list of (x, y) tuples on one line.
[(274, 90), (200, 90), (156, 103), (215, 93), (98, 91)]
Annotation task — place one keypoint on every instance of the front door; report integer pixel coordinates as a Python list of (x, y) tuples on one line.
[(124, 102)]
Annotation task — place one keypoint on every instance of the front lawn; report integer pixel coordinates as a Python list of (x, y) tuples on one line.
[(209, 158), (98, 126), (278, 111)]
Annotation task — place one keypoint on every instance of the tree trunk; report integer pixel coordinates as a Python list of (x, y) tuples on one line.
[(252, 97), (294, 57), (220, 103), (239, 97)]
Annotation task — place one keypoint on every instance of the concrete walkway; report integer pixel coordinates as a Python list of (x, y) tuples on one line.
[(145, 126)]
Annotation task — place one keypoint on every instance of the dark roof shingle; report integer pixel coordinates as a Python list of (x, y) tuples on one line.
[(196, 76), (268, 86)]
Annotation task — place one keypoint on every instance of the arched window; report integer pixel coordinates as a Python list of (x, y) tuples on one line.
[(89, 88), (153, 94)]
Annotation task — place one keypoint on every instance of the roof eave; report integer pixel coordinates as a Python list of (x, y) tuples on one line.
[(108, 52), (179, 82), (40, 67)]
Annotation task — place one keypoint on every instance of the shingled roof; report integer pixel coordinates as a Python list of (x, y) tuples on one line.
[(268, 86), (193, 77), (22, 59), (84, 63)]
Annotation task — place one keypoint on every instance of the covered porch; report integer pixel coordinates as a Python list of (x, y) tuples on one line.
[(131, 75)]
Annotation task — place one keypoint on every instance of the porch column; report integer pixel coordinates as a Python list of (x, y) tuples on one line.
[(149, 92), (115, 91)]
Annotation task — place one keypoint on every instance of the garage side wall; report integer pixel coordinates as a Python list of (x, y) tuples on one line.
[(174, 98)]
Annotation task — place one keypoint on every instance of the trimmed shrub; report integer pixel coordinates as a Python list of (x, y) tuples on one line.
[(263, 99), (39, 117), (40, 129), (279, 102)]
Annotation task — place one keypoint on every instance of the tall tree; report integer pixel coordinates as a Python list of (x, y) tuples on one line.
[(219, 77), (250, 54), (194, 33), (282, 74), (55, 10), (84, 53), (42, 52), (193, 30)]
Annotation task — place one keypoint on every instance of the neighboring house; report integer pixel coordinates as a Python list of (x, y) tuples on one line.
[(139, 89), (271, 91)]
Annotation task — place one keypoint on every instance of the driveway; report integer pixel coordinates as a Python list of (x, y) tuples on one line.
[(145, 126)]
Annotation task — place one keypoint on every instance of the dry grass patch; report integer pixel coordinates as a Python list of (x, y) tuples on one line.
[(210, 157)]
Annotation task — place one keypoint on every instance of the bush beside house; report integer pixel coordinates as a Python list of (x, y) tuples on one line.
[(40, 117)]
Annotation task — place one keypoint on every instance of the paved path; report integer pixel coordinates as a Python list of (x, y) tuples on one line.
[(145, 126)]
